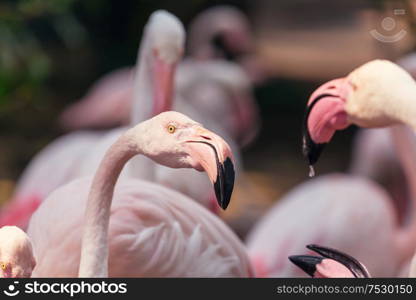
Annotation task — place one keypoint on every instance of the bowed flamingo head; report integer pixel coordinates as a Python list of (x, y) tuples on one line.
[(184, 143), (331, 264), (16, 253), (369, 97), (220, 31), (166, 38)]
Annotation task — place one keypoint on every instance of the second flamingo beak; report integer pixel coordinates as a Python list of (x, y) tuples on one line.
[(309, 263), (163, 85), (306, 262), (212, 154), (324, 115)]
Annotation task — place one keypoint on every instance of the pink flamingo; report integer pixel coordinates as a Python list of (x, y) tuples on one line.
[(108, 102), (374, 95), (331, 264), (149, 230), (220, 32), (224, 32), (161, 49), (16, 253)]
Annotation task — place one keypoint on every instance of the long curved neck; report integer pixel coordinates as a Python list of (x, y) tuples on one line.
[(405, 143), (143, 96), (94, 251)]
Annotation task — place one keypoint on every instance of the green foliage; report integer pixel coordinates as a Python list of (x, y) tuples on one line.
[(25, 64)]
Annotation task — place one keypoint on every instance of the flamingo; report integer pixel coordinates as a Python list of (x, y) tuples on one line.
[(221, 31), (108, 101), (331, 264), (59, 162), (149, 230), (16, 253), (374, 95)]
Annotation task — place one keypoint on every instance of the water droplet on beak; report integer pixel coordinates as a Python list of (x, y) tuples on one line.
[(311, 171)]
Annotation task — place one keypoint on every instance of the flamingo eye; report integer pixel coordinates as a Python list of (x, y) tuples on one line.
[(3, 266), (171, 129)]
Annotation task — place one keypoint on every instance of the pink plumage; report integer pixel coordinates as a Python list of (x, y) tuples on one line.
[(18, 212)]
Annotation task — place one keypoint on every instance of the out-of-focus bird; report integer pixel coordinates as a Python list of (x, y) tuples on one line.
[(193, 185), (224, 32), (16, 253), (221, 31), (226, 86), (136, 228), (215, 92), (331, 264), (341, 211), (60, 161)]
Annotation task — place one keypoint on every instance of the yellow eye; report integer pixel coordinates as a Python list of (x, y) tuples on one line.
[(3, 266), (171, 129)]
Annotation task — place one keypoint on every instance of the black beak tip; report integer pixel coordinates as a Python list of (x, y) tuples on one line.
[(306, 262), (224, 183), (311, 150)]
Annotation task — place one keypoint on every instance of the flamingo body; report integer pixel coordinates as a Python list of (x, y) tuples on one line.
[(154, 232), (337, 210)]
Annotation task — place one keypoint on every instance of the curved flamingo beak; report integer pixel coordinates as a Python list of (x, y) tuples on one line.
[(212, 154), (163, 85), (325, 114), (329, 262)]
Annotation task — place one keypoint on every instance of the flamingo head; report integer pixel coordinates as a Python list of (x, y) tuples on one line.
[(370, 96), (331, 264), (167, 38), (221, 31), (16, 253), (231, 43), (176, 141)]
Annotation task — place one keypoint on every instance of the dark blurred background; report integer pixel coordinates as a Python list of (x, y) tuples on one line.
[(51, 51)]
